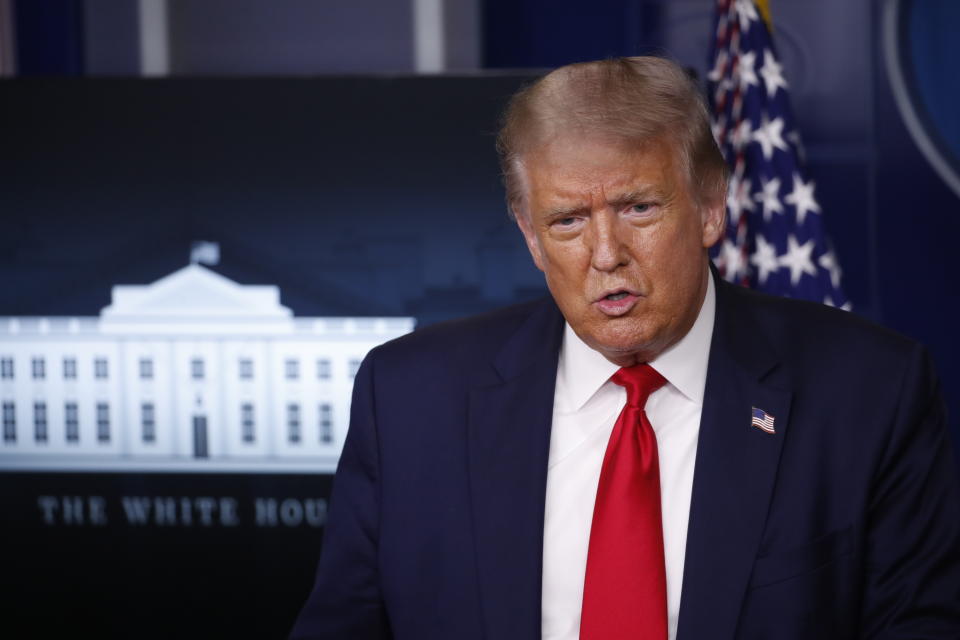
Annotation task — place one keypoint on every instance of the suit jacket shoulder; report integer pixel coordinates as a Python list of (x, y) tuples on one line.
[(798, 327), (475, 350)]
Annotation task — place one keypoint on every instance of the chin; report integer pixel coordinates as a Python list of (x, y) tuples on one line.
[(623, 347)]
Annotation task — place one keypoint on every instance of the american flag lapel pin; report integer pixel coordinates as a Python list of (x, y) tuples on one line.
[(762, 420)]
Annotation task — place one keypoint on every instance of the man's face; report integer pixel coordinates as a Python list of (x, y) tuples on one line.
[(621, 240)]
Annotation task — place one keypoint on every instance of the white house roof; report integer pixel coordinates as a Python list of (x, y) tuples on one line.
[(195, 293), (200, 302)]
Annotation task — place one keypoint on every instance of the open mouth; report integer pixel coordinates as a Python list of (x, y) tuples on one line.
[(617, 303)]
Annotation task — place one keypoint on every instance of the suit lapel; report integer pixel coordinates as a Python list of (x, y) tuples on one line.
[(508, 449), (735, 471)]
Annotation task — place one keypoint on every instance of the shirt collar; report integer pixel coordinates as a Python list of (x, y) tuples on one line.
[(582, 371), (684, 365)]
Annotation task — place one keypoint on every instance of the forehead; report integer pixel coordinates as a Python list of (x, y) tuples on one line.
[(579, 169)]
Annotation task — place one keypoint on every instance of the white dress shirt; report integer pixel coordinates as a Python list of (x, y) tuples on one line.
[(585, 407)]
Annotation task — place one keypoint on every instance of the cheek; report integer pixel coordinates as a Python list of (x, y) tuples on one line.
[(655, 248), (566, 269), (673, 258), (563, 259), (685, 239)]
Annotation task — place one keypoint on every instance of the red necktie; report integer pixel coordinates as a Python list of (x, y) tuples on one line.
[(625, 589)]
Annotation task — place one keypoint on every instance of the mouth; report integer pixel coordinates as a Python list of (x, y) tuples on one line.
[(616, 302)]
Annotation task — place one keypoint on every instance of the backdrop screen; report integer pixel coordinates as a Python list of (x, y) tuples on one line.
[(192, 270)]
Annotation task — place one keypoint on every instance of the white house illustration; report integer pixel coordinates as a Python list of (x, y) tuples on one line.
[(193, 372)]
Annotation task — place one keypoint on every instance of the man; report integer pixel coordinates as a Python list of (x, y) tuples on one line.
[(652, 453)]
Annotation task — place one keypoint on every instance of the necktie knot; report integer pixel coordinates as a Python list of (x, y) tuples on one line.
[(640, 381)]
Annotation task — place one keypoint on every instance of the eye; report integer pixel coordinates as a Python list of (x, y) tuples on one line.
[(566, 225), (641, 212)]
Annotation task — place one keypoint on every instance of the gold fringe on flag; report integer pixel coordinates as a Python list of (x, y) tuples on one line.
[(764, 7)]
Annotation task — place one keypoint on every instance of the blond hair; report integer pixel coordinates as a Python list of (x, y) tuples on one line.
[(630, 101)]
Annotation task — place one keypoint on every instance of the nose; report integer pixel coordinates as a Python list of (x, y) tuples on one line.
[(608, 250)]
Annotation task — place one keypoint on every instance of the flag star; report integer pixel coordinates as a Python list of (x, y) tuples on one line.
[(769, 197), (772, 73), (764, 258), (829, 262), (746, 70), (797, 259), (732, 260), (747, 13), (770, 134), (802, 198)]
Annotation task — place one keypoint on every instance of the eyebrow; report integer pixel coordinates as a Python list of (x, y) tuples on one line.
[(640, 194), (560, 212)]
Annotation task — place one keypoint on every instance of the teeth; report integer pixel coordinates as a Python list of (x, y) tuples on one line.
[(617, 296)]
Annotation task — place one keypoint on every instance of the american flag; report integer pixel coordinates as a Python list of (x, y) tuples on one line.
[(775, 240), (762, 420)]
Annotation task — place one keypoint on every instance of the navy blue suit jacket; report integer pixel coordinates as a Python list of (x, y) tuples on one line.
[(845, 523)]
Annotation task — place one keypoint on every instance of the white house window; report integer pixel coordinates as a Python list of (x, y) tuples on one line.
[(38, 368), (196, 369), (293, 422), (9, 422), (100, 368), (323, 369), (354, 367), (291, 368), (69, 368), (246, 422), (40, 421), (326, 422), (146, 369), (246, 369), (148, 422), (6, 368), (103, 422), (71, 421)]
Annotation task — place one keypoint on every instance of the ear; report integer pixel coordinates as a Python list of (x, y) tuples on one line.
[(713, 218), (533, 244)]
